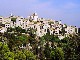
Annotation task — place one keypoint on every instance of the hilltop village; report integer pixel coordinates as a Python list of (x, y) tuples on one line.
[(35, 38), (41, 25)]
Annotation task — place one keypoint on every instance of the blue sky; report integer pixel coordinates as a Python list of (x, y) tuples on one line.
[(66, 10)]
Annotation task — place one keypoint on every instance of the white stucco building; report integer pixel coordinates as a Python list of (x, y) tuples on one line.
[(41, 25)]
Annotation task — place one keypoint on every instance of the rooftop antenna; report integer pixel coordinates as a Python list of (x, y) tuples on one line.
[(11, 14), (35, 13)]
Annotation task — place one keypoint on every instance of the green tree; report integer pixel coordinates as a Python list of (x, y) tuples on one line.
[(72, 48), (29, 55), (31, 32), (52, 55), (59, 53), (47, 51), (3, 49), (18, 29), (9, 56), (9, 29), (13, 19), (19, 55), (24, 39)]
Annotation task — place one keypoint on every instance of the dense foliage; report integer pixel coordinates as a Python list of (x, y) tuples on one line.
[(19, 44)]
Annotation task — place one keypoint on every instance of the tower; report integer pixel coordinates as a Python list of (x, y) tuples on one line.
[(35, 17), (11, 14)]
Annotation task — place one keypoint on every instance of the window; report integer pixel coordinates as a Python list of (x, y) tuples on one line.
[(45, 30), (40, 31), (34, 26), (19, 20), (65, 31), (36, 29), (56, 33), (0, 18), (42, 27)]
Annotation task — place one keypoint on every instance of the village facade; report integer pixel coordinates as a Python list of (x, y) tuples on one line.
[(41, 25)]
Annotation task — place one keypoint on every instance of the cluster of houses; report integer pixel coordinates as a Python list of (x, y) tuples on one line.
[(41, 25)]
